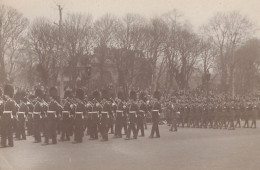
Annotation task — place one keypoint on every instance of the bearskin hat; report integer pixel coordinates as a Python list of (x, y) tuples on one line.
[(133, 95), (53, 92), (120, 95), (80, 94), (157, 95), (142, 96), (96, 95), (38, 93), (9, 90), (68, 94), (105, 94)]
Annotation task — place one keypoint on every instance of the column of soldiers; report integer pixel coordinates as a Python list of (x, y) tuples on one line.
[(47, 117), (213, 113)]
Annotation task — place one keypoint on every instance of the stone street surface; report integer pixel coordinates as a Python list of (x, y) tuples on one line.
[(189, 148)]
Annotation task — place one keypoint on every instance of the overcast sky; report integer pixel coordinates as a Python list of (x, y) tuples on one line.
[(196, 11)]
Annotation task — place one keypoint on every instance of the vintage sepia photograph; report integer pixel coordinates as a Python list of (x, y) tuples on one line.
[(129, 84)]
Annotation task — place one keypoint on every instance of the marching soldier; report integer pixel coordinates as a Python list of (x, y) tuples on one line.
[(52, 122), (78, 126), (248, 109), (119, 119), (29, 123), (66, 122), (94, 120), (156, 110), (217, 116), (125, 117), (37, 119), (231, 113), (106, 120), (238, 109), (23, 111), (89, 108), (80, 117), (109, 109), (120, 96), (254, 116), (8, 117), (173, 116), (141, 116), (133, 109)]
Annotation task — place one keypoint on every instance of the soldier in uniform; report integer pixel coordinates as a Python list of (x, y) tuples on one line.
[(89, 108), (132, 115), (109, 109), (232, 113), (106, 120), (29, 123), (80, 115), (156, 110), (211, 115), (52, 122), (78, 126), (141, 116), (66, 121), (94, 120), (248, 109), (217, 116), (23, 111), (254, 115), (173, 116), (119, 119), (238, 111), (37, 119), (7, 119)]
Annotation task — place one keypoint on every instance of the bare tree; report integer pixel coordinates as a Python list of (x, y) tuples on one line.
[(154, 42), (130, 40), (78, 43), (105, 30), (43, 37), (12, 29), (228, 31), (247, 72)]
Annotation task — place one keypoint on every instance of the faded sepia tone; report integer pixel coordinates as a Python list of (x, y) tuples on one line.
[(129, 84)]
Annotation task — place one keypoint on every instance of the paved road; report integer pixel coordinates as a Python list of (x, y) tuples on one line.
[(193, 149)]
